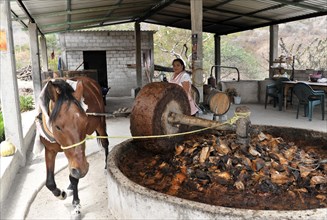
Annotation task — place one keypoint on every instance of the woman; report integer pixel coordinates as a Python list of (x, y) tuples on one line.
[(182, 78)]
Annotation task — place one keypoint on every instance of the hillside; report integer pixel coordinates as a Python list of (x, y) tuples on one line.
[(300, 37), (249, 50)]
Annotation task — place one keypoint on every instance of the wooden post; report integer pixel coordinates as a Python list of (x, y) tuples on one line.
[(197, 54), (273, 47), (175, 118), (151, 56), (217, 56), (138, 55)]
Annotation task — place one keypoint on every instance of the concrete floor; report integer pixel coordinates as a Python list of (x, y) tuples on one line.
[(29, 199)]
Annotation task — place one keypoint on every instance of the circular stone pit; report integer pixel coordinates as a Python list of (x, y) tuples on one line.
[(129, 200)]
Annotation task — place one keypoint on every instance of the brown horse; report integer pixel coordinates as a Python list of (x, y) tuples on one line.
[(70, 124)]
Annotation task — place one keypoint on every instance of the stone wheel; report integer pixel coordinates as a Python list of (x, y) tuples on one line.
[(150, 111)]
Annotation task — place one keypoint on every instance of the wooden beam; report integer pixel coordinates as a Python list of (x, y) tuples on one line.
[(138, 54), (162, 4), (69, 8), (273, 46), (217, 56), (197, 51)]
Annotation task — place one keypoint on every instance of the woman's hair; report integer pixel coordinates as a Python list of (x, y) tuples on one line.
[(180, 61)]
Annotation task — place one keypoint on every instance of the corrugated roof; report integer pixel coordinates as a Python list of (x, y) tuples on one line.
[(219, 16)]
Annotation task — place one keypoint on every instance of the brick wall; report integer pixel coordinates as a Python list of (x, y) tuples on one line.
[(120, 51)]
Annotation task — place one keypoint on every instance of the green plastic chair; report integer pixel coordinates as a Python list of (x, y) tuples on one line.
[(309, 98), (275, 90)]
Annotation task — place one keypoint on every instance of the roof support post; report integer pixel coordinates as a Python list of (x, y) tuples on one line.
[(9, 86), (197, 54), (217, 56), (9, 95), (273, 47), (44, 53), (138, 54), (35, 58)]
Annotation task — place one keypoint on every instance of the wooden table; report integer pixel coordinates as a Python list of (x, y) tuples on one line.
[(290, 84)]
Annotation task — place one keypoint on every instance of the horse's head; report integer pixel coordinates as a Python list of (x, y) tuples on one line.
[(69, 123)]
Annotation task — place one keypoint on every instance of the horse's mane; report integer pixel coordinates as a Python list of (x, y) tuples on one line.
[(65, 94)]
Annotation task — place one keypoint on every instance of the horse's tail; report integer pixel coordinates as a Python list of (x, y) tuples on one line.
[(104, 126), (103, 141)]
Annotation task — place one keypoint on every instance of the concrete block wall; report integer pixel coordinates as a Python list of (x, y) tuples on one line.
[(121, 79), (75, 58), (120, 51), (247, 89)]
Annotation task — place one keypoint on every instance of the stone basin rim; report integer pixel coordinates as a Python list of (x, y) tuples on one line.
[(209, 210)]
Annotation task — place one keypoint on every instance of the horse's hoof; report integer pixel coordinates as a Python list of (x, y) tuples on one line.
[(63, 195), (75, 216), (76, 213)]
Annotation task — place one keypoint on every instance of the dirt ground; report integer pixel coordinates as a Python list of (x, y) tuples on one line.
[(92, 193), (25, 87)]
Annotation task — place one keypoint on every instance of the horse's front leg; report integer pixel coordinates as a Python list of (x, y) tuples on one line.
[(50, 157), (76, 201), (74, 187)]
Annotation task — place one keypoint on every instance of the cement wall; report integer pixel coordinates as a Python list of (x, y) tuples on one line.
[(120, 55), (128, 200), (11, 165), (247, 89), (254, 91)]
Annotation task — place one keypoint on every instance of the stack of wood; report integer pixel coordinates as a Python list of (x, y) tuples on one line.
[(122, 112), (25, 73)]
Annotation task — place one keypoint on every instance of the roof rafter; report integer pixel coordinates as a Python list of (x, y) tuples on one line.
[(21, 4), (229, 12), (299, 4), (220, 17), (86, 10), (69, 8), (282, 21), (154, 9), (82, 22)]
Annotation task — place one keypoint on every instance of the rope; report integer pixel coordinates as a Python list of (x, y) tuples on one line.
[(231, 121)]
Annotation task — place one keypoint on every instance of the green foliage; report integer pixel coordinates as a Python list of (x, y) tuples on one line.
[(178, 43), (248, 50), (236, 56), (53, 47), (2, 128), (53, 63), (52, 41), (26, 103), (22, 56), (171, 43)]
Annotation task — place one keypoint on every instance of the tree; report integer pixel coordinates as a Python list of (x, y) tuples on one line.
[(53, 51), (311, 55)]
